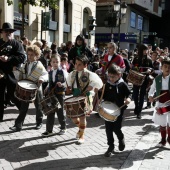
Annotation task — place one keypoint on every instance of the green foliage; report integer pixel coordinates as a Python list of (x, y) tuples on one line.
[(41, 3)]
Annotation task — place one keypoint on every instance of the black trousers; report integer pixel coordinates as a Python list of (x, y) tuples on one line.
[(8, 84), (116, 128), (139, 96), (24, 108), (60, 114)]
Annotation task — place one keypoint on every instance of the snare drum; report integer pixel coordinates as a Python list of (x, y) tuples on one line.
[(50, 104), (109, 111), (26, 90), (135, 78), (75, 106)]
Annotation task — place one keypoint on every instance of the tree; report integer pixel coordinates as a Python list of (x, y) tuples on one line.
[(41, 3)]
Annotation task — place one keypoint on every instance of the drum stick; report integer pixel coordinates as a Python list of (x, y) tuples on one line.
[(159, 96), (52, 90), (120, 107)]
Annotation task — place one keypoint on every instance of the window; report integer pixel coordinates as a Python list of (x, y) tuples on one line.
[(140, 22), (133, 19)]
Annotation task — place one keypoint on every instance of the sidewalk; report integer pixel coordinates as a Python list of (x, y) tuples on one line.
[(28, 150)]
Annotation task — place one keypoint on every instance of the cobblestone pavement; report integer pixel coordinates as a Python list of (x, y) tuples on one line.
[(28, 150)]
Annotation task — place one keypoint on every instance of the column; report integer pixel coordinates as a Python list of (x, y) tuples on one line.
[(61, 21)]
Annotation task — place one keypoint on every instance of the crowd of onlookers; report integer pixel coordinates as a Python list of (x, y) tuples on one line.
[(67, 52)]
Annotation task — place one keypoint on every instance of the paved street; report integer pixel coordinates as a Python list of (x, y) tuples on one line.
[(28, 150)]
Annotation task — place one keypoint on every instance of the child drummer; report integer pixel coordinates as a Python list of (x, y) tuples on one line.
[(57, 79), (116, 91), (33, 70), (161, 116), (82, 82)]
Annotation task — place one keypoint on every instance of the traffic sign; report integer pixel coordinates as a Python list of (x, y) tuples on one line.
[(131, 37), (149, 33), (132, 33)]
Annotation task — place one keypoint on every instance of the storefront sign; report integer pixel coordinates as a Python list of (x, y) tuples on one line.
[(18, 18)]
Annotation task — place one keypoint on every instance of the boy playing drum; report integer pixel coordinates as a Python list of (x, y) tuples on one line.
[(116, 90), (33, 70), (161, 116), (82, 81), (57, 78)]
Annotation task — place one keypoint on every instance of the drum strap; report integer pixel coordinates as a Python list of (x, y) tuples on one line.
[(77, 80), (101, 97), (114, 55)]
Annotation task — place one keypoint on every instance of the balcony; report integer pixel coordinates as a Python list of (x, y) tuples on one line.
[(146, 6)]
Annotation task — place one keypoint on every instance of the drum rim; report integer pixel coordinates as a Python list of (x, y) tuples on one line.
[(118, 109), (74, 97), (27, 81)]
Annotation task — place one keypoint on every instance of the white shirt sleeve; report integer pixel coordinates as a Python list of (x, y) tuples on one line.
[(44, 76), (68, 79), (152, 89), (95, 81), (65, 77)]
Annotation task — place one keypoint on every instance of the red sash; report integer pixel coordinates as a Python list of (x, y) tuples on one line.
[(163, 110)]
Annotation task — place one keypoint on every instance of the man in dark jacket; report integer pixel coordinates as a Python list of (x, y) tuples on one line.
[(79, 49), (11, 55)]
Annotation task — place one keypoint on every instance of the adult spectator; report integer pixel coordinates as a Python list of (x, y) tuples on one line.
[(54, 48), (79, 49), (24, 42), (11, 55)]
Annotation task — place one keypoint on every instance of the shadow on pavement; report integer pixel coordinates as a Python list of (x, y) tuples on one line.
[(13, 150), (116, 161)]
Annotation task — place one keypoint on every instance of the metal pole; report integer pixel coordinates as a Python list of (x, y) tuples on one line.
[(112, 36), (118, 43), (41, 23)]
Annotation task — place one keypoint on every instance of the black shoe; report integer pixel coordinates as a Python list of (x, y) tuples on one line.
[(139, 116), (38, 126), (121, 145), (47, 134), (10, 103), (147, 107), (62, 132), (109, 151), (15, 129)]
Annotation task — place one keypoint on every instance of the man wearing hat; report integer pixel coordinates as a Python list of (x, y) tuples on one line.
[(11, 54)]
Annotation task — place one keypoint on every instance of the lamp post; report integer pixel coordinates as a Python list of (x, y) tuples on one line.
[(120, 8), (110, 21)]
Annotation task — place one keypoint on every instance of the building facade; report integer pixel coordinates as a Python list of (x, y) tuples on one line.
[(65, 23), (134, 27)]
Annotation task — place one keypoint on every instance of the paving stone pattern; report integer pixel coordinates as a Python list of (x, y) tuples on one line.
[(28, 150)]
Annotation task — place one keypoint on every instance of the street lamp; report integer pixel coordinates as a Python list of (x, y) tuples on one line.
[(112, 15), (120, 8), (111, 20)]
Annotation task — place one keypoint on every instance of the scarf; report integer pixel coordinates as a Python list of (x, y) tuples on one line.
[(79, 50), (116, 83)]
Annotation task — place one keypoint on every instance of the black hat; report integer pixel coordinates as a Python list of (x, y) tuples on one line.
[(7, 27)]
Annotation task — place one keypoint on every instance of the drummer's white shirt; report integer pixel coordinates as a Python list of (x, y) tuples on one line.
[(95, 80), (30, 67), (165, 85)]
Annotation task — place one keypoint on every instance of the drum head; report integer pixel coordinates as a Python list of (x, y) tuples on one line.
[(74, 99), (26, 84), (110, 108)]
